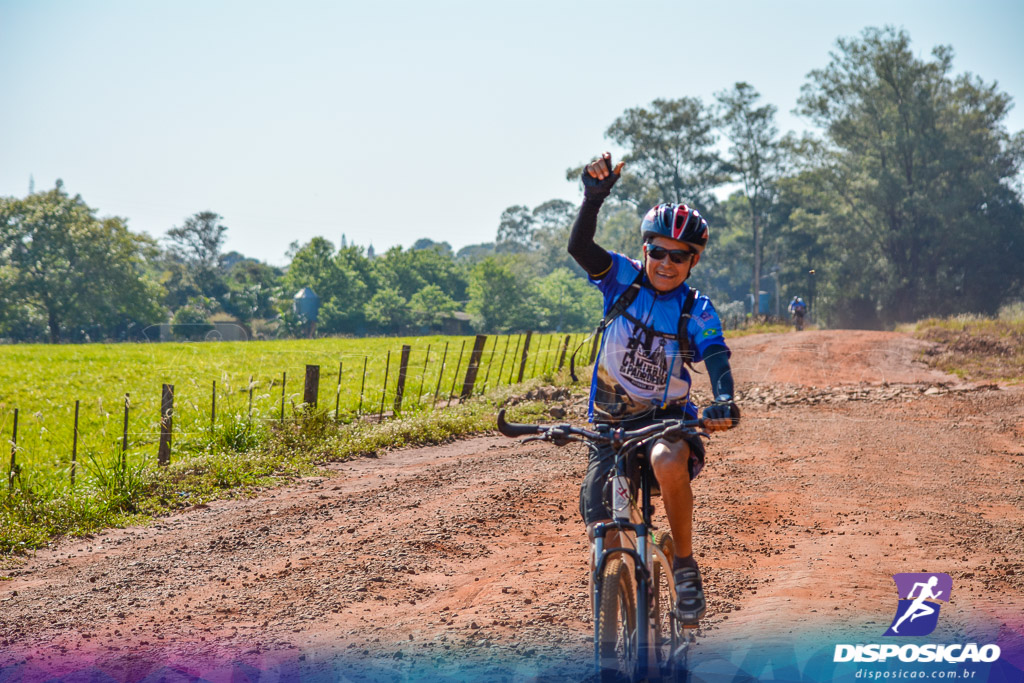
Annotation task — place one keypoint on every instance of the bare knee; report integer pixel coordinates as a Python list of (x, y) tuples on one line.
[(670, 460)]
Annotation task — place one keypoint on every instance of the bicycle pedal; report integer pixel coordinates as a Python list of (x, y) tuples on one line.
[(687, 620)]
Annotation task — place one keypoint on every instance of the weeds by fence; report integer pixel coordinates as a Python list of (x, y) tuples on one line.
[(231, 416)]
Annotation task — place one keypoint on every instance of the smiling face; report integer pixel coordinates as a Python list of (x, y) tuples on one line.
[(664, 274)]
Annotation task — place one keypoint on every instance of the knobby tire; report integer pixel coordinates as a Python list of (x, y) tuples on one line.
[(667, 635), (616, 626)]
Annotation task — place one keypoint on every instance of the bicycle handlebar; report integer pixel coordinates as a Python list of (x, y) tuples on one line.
[(562, 432)]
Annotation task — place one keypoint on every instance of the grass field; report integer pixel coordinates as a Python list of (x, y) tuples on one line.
[(44, 381)]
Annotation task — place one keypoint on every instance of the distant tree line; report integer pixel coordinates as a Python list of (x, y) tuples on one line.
[(905, 202)]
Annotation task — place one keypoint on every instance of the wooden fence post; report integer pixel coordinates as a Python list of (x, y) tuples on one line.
[(311, 389), (250, 397), (403, 368), (14, 450), (213, 406), (526, 354), (474, 367), (124, 434), (166, 424), (593, 348), (565, 347), (74, 446)]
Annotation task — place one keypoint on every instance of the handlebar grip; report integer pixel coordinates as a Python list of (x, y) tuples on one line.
[(513, 429)]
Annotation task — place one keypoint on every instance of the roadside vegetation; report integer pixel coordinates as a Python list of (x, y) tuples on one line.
[(978, 348), (235, 461)]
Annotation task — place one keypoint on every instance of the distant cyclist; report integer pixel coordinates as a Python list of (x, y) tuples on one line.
[(797, 311), (641, 375)]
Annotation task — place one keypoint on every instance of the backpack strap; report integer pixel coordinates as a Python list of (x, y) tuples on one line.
[(617, 308), (682, 336)]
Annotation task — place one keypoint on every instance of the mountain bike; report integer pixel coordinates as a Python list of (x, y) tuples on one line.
[(636, 634)]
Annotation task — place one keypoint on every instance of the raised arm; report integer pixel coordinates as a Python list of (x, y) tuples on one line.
[(598, 179)]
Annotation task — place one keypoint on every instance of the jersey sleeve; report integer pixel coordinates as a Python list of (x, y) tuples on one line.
[(618, 278), (704, 328)]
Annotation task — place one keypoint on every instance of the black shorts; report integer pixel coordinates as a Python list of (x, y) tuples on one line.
[(594, 503)]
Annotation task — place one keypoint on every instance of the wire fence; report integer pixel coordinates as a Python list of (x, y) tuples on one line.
[(232, 410)]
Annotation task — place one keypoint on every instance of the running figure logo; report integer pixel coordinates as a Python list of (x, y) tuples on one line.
[(918, 611)]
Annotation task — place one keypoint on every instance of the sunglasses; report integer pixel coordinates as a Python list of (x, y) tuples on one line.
[(677, 256)]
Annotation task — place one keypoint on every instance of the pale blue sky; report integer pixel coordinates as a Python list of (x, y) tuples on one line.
[(390, 121)]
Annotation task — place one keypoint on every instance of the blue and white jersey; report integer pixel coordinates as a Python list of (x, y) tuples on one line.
[(638, 369)]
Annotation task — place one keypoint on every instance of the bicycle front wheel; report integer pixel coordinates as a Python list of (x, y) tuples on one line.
[(669, 639), (616, 622)]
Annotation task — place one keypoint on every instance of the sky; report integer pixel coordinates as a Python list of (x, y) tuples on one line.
[(390, 121)]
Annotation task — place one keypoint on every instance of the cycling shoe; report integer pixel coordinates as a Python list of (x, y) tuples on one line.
[(690, 603)]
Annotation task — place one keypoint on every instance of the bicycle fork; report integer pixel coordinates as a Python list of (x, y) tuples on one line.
[(640, 557)]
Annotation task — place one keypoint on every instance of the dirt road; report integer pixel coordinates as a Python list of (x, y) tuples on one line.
[(853, 462)]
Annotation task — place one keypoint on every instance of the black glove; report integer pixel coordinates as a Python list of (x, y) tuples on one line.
[(599, 189), (724, 408)]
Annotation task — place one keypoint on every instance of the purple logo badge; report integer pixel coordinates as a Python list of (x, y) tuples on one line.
[(918, 611)]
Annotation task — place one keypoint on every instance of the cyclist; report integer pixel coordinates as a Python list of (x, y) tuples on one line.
[(797, 311), (640, 375)]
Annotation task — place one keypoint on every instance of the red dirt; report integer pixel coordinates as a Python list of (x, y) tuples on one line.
[(803, 514)]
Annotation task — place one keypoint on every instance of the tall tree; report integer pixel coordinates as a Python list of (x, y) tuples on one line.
[(670, 154), (197, 244), (754, 158), (515, 230), (921, 170), (80, 273)]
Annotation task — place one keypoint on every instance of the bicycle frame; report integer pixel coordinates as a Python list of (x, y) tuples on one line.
[(641, 557)]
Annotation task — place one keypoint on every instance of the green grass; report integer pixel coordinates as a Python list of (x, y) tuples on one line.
[(43, 382), (36, 511), (236, 455), (760, 328)]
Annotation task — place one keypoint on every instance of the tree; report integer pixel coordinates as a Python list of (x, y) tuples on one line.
[(567, 302), (515, 230), (670, 154), (501, 298), (430, 305), (755, 157), (197, 245), (388, 310), (342, 280), (442, 248), (77, 274), (251, 287), (410, 271), (917, 175), (474, 253)]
